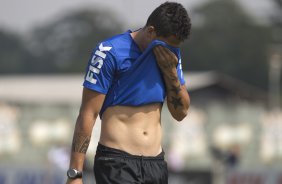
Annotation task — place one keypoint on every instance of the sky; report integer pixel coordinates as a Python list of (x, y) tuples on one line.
[(23, 15)]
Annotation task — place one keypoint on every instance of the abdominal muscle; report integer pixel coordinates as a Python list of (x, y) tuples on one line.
[(136, 130)]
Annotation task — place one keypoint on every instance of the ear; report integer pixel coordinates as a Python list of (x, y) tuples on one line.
[(151, 32)]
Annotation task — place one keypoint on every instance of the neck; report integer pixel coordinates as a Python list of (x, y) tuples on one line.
[(139, 37)]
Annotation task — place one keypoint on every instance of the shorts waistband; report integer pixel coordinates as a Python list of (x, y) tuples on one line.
[(113, 152)]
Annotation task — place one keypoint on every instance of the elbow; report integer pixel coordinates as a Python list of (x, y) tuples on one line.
[(181, 115), (88, 114), (182, 112)]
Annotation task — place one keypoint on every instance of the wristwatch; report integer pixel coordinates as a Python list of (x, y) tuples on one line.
[(73, 174)]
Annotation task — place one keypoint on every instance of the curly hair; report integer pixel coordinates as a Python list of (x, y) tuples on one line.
[(170, 18)]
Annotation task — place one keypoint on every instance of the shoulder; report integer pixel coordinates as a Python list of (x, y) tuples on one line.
[(117, 45)]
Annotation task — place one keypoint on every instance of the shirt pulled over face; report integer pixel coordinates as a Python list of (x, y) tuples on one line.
[(125, 75)]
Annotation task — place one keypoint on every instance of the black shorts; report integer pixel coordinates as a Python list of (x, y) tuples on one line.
[(113, 166)]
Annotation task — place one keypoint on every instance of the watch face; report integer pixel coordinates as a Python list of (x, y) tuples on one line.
[(72, 173)]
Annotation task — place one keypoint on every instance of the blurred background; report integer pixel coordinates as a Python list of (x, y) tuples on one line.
[(232, 64)]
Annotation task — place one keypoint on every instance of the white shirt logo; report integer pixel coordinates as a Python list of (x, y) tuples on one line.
[(96, 63)]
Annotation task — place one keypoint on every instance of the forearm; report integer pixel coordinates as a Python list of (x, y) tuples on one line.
[(178, 100), (81, 140), (177, 96)]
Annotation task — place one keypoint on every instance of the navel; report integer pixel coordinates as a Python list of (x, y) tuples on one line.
[(145, 133)]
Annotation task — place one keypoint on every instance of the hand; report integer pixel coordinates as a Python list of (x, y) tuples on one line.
[(167, 60), (75, 181)]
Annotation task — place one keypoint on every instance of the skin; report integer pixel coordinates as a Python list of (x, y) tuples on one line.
[(136, 130)]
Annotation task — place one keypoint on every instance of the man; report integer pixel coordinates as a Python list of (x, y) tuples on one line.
[(127, 80)]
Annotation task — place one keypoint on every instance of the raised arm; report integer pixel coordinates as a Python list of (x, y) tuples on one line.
[(178, 100), (89, 110)]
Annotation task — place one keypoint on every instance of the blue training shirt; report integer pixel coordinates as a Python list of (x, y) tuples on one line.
[(126, 75)]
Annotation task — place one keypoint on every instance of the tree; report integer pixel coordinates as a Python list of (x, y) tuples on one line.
[(66, 44), (14, 57), (276, 20), (228, 41)]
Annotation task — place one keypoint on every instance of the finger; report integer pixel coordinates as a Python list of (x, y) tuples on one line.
[(163, 56), (162, 51), (166, 54), (158, 52), (157, 48), (165, 49)]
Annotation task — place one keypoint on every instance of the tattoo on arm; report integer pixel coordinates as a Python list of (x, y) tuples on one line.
[(168, 65), (176, 89), (80, 143), (176, 102), (173, 78)]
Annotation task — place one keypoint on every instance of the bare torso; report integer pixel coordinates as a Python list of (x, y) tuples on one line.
[(136, 130)]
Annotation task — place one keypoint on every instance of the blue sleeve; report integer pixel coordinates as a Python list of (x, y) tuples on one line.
[(180, 73), (100, 70)]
